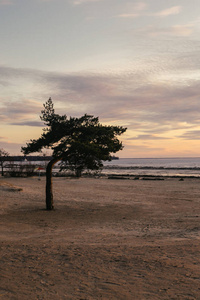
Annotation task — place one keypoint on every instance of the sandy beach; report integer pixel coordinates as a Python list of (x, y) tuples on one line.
[(106, 239)]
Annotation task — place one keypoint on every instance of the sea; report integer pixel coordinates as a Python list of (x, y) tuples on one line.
[(176, 166), (172, 167)]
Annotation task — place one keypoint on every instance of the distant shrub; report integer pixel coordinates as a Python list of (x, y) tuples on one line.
[(20, 170)]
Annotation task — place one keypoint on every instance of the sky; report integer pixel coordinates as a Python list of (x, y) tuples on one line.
[(131, 63)]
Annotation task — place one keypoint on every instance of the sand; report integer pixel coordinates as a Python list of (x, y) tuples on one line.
[(106, 239)]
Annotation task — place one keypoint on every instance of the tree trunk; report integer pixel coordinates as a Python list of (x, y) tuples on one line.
[(78, 173), (49, 189), (2, 172)]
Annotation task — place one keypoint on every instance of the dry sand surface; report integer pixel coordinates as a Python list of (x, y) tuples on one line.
[(106, 239)]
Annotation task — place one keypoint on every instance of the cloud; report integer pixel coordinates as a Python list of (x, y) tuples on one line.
[(128, 15), (174, 10), (173, 31), (28, 123), (137, 11), (148, 137), (135, 101), (190, 135), (152, 106), (79, 2), (6, 2), (21, 112), (153, 111), (182, 30), (132, 10)]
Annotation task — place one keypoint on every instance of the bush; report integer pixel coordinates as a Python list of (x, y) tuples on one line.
[(20, 170)]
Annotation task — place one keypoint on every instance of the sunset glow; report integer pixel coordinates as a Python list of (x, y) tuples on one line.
[(132, 63)]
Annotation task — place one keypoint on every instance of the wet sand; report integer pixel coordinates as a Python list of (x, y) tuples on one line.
[(106, 239)]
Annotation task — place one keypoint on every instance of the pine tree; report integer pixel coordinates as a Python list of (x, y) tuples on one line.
[(82, 142)]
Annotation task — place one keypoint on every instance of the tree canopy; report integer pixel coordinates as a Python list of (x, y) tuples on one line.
[(82, 142)]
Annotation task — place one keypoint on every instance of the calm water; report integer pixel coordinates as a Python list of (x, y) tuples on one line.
[(154, 166), (145, 166)]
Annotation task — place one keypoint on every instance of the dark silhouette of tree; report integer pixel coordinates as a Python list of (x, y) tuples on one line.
[(79, 161), (3, 158), (82, 141)]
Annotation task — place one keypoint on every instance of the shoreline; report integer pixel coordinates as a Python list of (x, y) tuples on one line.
[(106, 176)]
